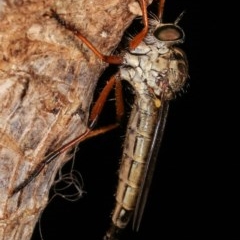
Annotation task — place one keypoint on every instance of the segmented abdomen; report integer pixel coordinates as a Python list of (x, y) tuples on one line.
[(137, 144)]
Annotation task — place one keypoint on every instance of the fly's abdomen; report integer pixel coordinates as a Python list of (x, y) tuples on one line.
[(136, 147)]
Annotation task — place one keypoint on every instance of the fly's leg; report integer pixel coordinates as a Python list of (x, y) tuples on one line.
[(109, 59), (132, 45), (161, 9), (105, 58), (94, 113), (98, 106), (97, 109), (140, 36)]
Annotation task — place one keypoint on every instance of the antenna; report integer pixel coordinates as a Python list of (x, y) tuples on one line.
[(179, 18)]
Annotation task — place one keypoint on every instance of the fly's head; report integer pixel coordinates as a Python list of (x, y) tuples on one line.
[(167, 35)]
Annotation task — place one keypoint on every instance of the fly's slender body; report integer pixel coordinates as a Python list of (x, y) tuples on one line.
[(156, 70)]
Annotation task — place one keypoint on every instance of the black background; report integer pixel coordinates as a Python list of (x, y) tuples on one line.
[(193, 194)]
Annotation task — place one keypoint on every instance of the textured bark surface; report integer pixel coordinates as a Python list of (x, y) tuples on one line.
[(47, 80)]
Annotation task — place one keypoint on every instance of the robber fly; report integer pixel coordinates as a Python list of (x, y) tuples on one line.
[(156, 70)]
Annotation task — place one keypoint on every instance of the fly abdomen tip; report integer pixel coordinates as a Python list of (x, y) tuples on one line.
[(113, 233)]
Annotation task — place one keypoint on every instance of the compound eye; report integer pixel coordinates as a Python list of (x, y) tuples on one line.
[(168, 33)]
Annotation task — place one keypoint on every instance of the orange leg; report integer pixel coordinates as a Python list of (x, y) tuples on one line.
[(105, 58), (139, 37), (98, 106), (134, 42), (119, 101), (161, 9), (50, 157)]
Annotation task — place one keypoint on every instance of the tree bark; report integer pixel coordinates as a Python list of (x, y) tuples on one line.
[(47, 81)]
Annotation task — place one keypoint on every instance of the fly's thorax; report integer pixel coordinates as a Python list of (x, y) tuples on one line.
[(155, 72)]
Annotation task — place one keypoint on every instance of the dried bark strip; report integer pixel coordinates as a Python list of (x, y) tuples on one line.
[(47, 80)]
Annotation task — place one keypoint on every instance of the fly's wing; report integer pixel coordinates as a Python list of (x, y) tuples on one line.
[(150, 165)]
